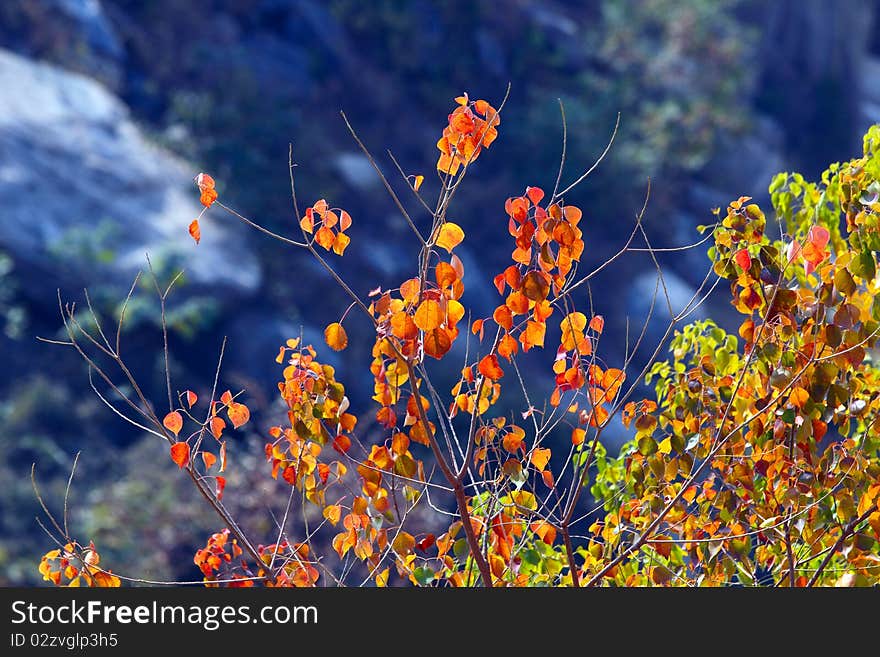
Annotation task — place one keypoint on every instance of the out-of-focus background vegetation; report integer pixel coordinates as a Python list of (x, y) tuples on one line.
[(108, 108)]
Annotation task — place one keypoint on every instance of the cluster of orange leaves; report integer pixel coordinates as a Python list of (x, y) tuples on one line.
[(221, 560), (75, 566), (471, 128), (207, 196), (331, 225), (237, 413)]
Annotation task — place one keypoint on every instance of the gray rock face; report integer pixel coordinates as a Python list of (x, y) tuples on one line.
[(79, 183)]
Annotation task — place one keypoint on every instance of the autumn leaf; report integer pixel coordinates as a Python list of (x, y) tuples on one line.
[(450, 236), (191, 398), (217, 425), (209, 459), (417, 182), (743, 259), (536, 285), (540, 457), (195, 231), (206, 184), (403, 326), (428, 315), (238, 414), (173, 422), (490, 368), (336, 337), (180, 453), (535, 194), (332, 513), (437, 343)]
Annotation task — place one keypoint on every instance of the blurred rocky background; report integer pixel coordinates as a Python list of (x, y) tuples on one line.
[(108, 108)]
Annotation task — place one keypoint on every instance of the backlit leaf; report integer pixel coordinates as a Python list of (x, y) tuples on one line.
[(490, 368), (429, 315), (450, 236), (180, 453), (336, 337), (173, 422)]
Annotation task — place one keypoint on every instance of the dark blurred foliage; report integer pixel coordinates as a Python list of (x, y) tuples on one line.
[(228, 84)]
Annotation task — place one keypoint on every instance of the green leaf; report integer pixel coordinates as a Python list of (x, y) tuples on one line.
[(423, 576), (647, 445)]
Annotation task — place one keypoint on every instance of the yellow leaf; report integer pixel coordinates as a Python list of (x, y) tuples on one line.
[(540, 457), (336, 337), (665, 446), (429, 315), (450, 236), (333, 513), (416, 184)]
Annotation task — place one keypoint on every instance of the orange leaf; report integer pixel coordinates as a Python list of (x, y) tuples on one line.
[(417, 182), (445, 274), (180, 453), (207, 197), (336, 337), (507, 347), (206, 184), (217, 425), (533, 336), (209, 459), (437, 343), (490, 368), (220, 484), (223, 456), (799, 397), (540, 458), (450, 236), (195, 231), (238, 414), (289, 475), (597, 323), (325, 237), (173, 422), (403, 326), (429, 315), (545, 531), (191, 398), (226, 397), (577, 436), (535, 194), (743, 259)]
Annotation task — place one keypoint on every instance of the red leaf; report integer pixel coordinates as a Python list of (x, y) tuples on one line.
[(173, 422), (289, 475), (180, 453), (221, 484), (743, 259), (426, 542), (535, 194)]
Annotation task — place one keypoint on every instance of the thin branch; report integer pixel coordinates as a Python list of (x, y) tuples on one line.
[(592, 168)]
